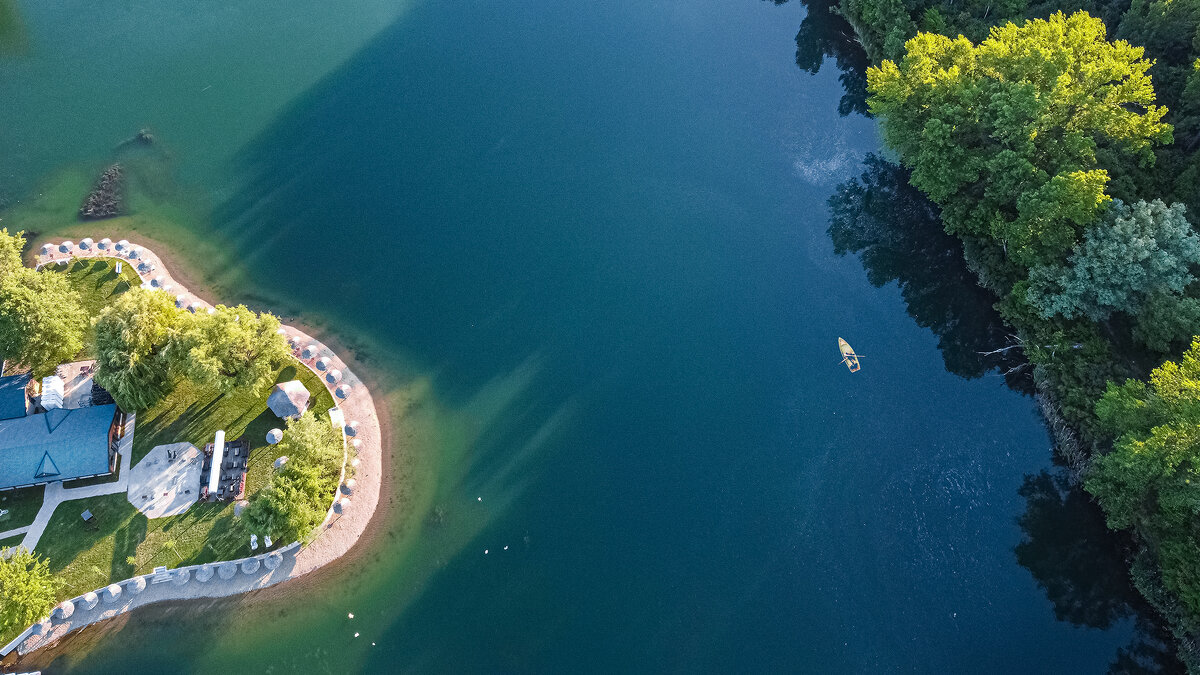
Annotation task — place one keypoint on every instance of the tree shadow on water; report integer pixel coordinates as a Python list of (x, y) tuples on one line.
[(825, 34), (1083, 567), (898, 236)]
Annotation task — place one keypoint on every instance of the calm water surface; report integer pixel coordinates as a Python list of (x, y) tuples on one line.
[(583, 248)]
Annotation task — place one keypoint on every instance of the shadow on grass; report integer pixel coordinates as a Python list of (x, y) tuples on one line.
[(127, 540)]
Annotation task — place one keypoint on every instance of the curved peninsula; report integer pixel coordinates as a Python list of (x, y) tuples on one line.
[(345, 521)]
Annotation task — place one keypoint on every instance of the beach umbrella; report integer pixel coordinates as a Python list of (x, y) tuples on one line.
[(105, 244), (356, 442), (351, 429), (158, 281), (195, 306), (63, 610), (181, 300), (47, 249), (39, 628), (272, 561), (333, 376), (293, 341), (281, 461), (137, 585), (86, 244), (66, 247), (356, 461), (348, 486), (204, 573), (274, 436), (250, 565), (227, 570), (213, 310), (309, 351), (169, 287), (342, 391), (341, 505), (322, 363), (122, 245), (281, 331), (182, 577), (111, 593), (134, 252), (89, 600), (145, 267)]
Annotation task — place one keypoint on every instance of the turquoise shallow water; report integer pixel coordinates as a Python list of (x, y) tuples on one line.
[(585, 250)]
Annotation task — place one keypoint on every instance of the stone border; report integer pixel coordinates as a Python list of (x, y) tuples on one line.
[(335, 536)]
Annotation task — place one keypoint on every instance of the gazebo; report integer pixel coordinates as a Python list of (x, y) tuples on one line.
[(288, 399)]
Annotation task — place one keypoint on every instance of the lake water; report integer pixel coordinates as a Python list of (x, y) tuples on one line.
[(583, 250)]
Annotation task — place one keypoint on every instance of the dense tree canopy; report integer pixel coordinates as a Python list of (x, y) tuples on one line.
[(1133, 253), (1003, 135), (27, 589), (11, 246), (1151, 479), (42, 320), (136, 350), (233, 348), (299, 494)]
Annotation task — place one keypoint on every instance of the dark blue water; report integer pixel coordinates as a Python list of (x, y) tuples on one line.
[(584, 247)]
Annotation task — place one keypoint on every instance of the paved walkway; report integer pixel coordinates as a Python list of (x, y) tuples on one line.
[(14, 532), (338, 533)]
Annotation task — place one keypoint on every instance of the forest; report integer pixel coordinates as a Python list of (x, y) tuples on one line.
[(1058, 144)]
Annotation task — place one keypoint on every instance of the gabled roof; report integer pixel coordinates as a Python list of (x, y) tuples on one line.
[(57, 445), (12, 396)]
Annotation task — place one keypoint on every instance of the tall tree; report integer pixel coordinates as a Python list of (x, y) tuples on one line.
[(11, 246), (1133, 253), (1003, 135), (135, 339), (27, 589), (42, 321), (233, 348)]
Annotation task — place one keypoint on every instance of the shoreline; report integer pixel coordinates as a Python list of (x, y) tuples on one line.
[(339, 534)]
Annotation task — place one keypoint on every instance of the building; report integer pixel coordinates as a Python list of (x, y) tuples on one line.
[(55, 445)]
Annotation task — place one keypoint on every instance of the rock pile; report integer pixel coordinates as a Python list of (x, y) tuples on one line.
[(107, 197)]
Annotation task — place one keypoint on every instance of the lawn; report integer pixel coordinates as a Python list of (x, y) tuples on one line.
[(87, 557), (22, 506), (11, 541), (97, 281)]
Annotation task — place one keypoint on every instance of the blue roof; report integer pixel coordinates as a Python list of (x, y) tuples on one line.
[(55, 445), (12, 396)]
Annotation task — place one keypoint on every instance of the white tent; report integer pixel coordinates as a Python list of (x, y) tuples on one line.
[(52, 392), (214, 474)]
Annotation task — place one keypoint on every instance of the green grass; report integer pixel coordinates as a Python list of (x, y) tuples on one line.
[(11, 541), (97, 280), (87, 557), (22, 506)]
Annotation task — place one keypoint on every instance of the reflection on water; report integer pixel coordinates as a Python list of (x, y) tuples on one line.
[(1084, 570), (898, 235)]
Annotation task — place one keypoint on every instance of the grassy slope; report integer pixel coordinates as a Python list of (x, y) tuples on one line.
[(97, 281), (9, 543)]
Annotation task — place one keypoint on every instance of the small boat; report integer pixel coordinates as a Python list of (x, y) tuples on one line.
[(848, 356)]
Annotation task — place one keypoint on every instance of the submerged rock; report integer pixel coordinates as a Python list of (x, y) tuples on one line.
[(107, 198)]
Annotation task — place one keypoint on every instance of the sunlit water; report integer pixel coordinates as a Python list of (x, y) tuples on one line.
[(581, 248)]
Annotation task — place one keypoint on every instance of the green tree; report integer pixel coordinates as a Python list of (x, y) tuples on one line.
[(1166, 321), (299, 494), (42, 320), (1151, 479), (11, 246), (1133, 253), (1003, 135), (233, 348), (27, 589), (135, 347)]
